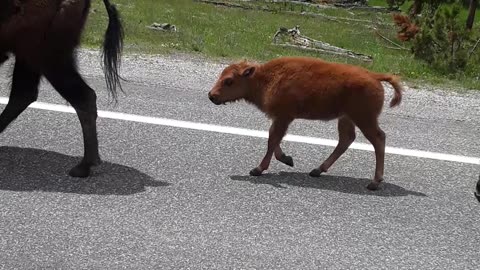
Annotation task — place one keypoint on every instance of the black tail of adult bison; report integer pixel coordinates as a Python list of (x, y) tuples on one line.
[(112, 49)]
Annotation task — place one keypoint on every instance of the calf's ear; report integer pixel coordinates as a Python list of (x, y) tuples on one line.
[(248, 72)]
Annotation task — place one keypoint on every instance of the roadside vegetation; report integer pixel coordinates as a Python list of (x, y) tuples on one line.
[(234, 33)]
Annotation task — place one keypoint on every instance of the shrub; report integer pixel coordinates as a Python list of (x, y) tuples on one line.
[(395, 4), (443, 40)]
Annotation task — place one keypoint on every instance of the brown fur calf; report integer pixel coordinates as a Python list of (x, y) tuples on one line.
[(295, 87)]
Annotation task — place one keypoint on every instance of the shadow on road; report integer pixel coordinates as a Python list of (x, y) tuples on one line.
[(27, 169), (327, 182)]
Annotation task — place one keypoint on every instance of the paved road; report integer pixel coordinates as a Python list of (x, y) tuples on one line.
[(176, 198)]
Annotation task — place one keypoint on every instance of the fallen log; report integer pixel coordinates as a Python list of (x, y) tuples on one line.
[(311, 14), (308, 4), (369, 8), (233, 5), (474, 48), (296, 40), (397, 46), (336, 19), (163, 27)]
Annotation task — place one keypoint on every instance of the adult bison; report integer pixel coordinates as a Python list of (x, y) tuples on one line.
[(43, 35)]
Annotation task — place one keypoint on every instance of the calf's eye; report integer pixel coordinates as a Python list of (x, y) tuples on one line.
[(228, 82)]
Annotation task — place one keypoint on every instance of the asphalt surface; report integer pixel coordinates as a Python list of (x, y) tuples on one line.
[(174, 198)]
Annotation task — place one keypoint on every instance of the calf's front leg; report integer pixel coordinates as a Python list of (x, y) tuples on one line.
[(282, 157), (277, 132)]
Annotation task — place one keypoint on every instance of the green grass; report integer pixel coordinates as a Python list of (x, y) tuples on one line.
[(230, 33)]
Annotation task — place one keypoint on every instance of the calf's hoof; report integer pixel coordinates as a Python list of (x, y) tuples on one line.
[(287, 160), (80, 171), (256, 172)]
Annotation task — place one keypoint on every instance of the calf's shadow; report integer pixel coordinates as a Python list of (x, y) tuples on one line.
[(28, 169), (327, 182)]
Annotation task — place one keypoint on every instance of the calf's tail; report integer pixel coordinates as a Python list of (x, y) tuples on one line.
[(395, 82)]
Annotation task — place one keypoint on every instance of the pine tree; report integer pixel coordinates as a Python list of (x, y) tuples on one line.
[(443, 40)]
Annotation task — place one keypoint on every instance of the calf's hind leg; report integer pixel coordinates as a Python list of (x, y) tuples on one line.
[(377, 137), (24, 91), (346, 134), (68, 82)]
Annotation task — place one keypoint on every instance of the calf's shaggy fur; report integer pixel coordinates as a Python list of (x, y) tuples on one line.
[(291, 88)]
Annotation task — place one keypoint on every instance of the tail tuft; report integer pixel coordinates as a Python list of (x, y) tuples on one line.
[(112, 49), (397, 98), (395, 82)]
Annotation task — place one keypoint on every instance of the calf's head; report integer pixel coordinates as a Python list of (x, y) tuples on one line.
[(233, 84)]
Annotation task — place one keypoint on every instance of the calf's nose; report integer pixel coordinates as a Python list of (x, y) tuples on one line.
[(211, 97)]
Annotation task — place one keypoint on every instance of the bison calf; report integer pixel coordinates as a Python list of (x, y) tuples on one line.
[(288, 88)]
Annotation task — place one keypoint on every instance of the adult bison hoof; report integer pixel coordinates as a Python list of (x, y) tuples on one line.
[(3, 58), (80, 171), (373, 185), (477, 193), (315, 173), (256, 172), (287, 160)]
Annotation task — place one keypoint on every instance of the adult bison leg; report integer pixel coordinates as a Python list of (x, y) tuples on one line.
[(68, 82), (24, 91), (3, 58)]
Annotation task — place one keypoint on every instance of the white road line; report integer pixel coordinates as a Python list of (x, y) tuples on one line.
[(251, 132)]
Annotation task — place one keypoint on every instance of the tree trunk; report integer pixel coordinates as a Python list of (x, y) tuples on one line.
[(471, 13), (416, 8)]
